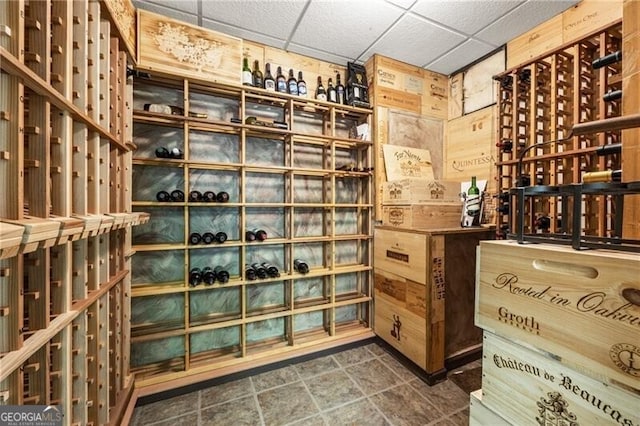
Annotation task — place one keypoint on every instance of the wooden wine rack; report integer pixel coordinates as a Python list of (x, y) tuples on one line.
[(539, 102), (65, 213), (288, 182)]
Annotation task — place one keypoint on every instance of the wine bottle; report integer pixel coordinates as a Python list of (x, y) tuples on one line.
[(195, 277), (258, 81), (473, 198), (249, 273), (221, 274), (222, 197), (504, 208), (209, 196), (605, 176), (612, 95), (272, 270), (177, 196), (503, 196), (260, 271), (543, 223), (221, 237), (162, 152), (249, 236), (332, 95), (176, 153), (195, 196), (302, 86), (208, 238), (208, 276), (609, 59), (301, 266), (506, 145), (260, 234), (613, 148), (269, 82), (163, 196), (321, 94), (171, 110), (340, 93), (247, 76), (292, 83), (195, 238), (281, 81)]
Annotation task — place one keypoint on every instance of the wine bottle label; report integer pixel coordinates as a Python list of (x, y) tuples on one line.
[(257, 81), (321, 97), (302, 90), (332, 96), (270, 85), (293, 88), (473, 204), (282, 86), (247, 78)]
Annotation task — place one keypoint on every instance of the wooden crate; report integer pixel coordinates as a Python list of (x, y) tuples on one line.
[(432, 215), (480, 414), (414, 270), (583, 307), (525, 386), (408, 191), (178, 48), (400, 327), (470, 148), (588, 16), (541, 39)]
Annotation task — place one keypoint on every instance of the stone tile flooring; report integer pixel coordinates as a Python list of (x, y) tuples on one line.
[(364, 385)]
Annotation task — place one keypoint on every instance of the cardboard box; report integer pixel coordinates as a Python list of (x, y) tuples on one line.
[(408, 191), (525, 386), (433, 215), (581, 306)]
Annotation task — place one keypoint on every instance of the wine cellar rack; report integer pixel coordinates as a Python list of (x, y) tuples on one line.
[(539, 102), (307, 183), (65, 214)]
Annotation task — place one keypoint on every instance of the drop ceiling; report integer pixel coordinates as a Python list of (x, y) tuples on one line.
[(442, 36)]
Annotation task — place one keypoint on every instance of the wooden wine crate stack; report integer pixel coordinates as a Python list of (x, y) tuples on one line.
[(65, 214), (416, 271), (560, 325)]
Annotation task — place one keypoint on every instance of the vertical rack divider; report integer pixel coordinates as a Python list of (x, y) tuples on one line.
[(186, 214), (11, 204), (243, 223)]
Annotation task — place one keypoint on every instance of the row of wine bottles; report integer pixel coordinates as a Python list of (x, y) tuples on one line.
[(506, 145), (220, 237), (194, 196), (252, 272), (208, 275), (291, 85), (207, 238)]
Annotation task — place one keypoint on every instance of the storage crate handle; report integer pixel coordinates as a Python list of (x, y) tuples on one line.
[(565, 268)]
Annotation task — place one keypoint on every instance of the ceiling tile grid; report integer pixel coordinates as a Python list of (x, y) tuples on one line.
[(440, 35)]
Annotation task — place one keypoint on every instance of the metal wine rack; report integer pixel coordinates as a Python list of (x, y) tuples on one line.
[(570, 198)]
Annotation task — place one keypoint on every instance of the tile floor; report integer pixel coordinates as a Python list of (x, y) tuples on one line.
[(364, 385)]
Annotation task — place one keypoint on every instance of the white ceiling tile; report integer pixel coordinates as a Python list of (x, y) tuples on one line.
[(415, 41), (243, 33), (275, 18), (464, 15), (188, 6), (318, 54), (348, 27), (522, 19), (165, 11), (459, 57), (405, 4)]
